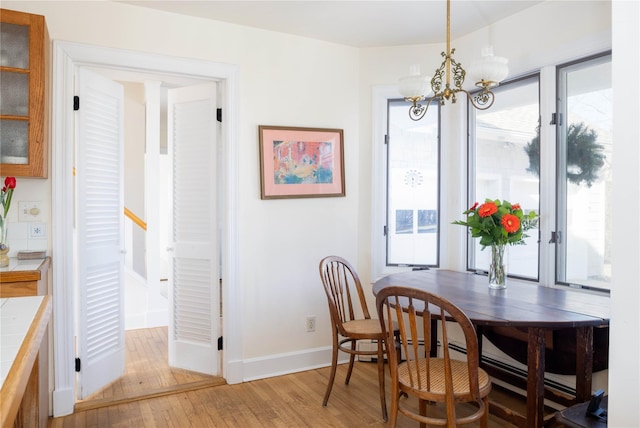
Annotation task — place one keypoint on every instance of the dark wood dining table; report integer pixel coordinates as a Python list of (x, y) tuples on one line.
[(525, 305)]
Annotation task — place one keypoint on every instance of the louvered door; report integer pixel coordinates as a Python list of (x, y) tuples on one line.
[(99, 232), (193, 291)]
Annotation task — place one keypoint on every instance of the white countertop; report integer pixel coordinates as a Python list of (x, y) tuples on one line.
[(20, 265), (16, 316)]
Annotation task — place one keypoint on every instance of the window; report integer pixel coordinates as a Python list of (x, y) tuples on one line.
[(412, 187), (562, 158), (500, 167), (584, 128)]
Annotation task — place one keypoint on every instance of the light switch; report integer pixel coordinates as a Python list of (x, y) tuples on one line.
[(29, 211)]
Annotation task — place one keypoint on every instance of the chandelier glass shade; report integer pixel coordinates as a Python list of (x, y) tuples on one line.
[(448, 79)]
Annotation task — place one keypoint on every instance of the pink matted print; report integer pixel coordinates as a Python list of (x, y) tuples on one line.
[(301, 162)]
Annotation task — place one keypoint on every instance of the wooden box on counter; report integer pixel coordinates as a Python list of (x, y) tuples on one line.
[(25, 278)]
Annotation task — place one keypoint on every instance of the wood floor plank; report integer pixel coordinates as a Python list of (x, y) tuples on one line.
[(147, 372)]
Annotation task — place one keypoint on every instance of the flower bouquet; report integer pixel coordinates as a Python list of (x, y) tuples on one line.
[(498, 224)]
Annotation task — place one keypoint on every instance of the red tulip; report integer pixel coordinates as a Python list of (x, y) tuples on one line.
[(9, 183)]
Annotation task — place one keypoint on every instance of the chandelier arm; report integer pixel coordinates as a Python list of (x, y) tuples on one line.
[(482, 100), (418, 111)]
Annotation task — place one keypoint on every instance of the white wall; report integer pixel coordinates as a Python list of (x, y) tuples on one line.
[(301, 83), (288, 80)]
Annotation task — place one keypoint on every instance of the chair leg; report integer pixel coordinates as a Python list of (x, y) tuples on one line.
[(422, 406), (383, 402), (395, 397), (484, 422), (352, 358), (332, 376)]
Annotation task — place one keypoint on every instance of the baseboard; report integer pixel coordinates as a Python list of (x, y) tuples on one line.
[(293, 362), (63, 402), (157, 318), (233, 372)]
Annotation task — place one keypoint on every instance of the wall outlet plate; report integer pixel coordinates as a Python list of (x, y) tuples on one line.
[(37, 230), (29, 211), (311, 323)]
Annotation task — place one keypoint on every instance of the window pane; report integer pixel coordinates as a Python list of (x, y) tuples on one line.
[(507, 157), (585, 155), (412, 183), (404, 221), (427, 221)]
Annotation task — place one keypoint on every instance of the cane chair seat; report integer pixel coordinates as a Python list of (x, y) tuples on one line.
[(437, 388), (365, 328)]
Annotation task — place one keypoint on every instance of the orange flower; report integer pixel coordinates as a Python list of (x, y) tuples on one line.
[(515, 207), (487, 209), (511, 223), (473, 207)]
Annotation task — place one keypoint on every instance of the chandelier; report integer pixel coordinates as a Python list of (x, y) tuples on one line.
[(488, 71)]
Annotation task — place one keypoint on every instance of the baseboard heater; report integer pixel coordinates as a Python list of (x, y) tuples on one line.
[(516, 371)]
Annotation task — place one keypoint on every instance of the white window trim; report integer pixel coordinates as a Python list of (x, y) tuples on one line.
[(547, 222)]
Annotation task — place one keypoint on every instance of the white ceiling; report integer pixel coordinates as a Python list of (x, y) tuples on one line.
[(354, 23)]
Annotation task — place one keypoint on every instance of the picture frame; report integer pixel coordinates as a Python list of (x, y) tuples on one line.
[(300, 162)]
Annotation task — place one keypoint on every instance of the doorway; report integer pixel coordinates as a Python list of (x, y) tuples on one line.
[(67, 58), (122, 369)]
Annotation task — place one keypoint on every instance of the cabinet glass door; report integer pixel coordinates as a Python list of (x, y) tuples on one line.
[(14, 93)]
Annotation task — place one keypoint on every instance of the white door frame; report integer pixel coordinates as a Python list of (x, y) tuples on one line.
[(67, 57)]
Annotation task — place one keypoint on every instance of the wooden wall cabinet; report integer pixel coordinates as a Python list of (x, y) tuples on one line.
[(23, 144)]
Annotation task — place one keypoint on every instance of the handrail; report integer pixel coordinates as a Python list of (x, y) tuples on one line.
[(137, 220)]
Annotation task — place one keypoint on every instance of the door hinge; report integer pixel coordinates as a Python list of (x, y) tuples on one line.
[(556, 119), (219, 115), (220, 343), (386, 139), (556, 238), (76, 103), (385, 230), (77, 364)]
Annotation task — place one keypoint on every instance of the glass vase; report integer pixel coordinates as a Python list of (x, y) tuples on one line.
[(498, 267)]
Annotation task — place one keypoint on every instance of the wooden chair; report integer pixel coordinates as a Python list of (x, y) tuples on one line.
[(423, 376), (344, 293)]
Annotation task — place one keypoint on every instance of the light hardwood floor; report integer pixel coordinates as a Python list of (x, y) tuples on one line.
[(285, 401)]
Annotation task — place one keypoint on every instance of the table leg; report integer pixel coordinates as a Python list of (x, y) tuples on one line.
[(535, 377), (479, 336), (584, 363)]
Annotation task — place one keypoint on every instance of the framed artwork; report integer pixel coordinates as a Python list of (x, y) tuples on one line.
[(301, 162)]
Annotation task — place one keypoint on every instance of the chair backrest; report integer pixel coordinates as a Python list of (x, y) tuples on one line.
[(419, 314), (344, 291)]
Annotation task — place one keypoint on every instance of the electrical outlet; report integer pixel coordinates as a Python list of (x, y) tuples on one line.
[(311, 323)]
